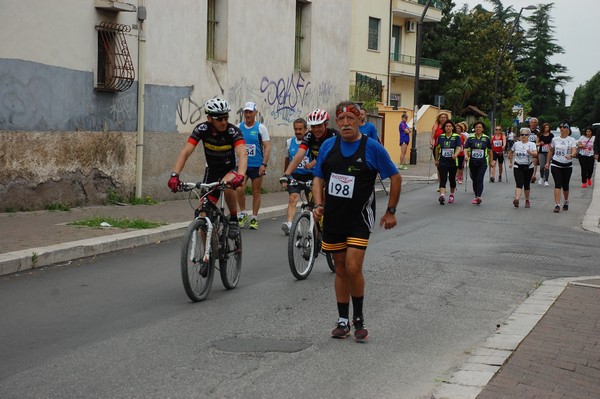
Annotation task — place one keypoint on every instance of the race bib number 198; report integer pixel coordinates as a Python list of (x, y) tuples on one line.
[(341, 185)]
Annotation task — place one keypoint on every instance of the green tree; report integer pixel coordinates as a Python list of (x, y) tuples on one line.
[(542, 76), (585, 105)]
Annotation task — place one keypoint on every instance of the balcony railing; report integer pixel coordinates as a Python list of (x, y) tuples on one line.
[(434, 3), (409, 59)]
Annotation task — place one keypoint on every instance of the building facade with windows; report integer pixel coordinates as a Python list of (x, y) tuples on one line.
[(99, 96), (383, 51), (383, 61)]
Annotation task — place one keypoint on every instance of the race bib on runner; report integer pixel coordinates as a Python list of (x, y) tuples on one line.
[(303, 163), (341, 185), (545, 147), (497, 143), (251, 150), (477, 154), (560, 152), (447, 152), (586, 152)]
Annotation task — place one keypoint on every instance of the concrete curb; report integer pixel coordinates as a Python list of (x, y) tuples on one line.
[(479, 368), (19, 261), (591, 219)]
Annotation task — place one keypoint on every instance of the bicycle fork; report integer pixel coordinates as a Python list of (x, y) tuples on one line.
[(195, 238)]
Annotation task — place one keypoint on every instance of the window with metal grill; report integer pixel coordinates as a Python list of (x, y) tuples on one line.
[(115, 68)]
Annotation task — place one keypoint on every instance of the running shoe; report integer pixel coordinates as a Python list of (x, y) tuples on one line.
[(474, 202), (546, 183), (360, 332), (286, 226), (491, 179), (403, 167), (566, 206), (451, 199), (442, 199), (242, 219), (589, 182), (583, 185), (527, 204), (557, 208), (253, 224), (478, 200), (516, 203), (234, 229), (500, 179), (459, 181), (540, 181), (341, 331)]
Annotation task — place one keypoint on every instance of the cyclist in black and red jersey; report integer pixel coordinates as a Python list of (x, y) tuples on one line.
[(222, 142), (311, 142)]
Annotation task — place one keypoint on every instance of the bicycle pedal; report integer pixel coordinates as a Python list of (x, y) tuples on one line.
[(203, 269)]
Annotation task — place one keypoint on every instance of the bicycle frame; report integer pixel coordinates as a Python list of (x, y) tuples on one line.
[(206, 209)]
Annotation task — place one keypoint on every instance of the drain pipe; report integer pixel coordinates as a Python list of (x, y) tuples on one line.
[(139, 145)]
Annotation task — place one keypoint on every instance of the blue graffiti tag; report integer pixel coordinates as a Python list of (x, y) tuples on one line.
[(285, 94)]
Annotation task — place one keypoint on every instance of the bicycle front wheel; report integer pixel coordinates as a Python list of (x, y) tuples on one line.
[(329, 258), (301, 247), (197, 276), (230, 261)]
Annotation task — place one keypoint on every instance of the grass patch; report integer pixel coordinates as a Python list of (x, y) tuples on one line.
[(113, 198), (122, 223), (57, 206), (248, 190)]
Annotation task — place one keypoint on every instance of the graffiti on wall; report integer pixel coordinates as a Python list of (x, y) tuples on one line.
[(124, 107), (19, 103), (280, 100), (189, 111), (286, 95)]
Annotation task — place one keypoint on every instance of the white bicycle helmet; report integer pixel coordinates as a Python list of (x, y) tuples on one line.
[(217, 106), (317, 117)]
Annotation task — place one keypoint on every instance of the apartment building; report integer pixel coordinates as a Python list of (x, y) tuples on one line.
[(383, 57)]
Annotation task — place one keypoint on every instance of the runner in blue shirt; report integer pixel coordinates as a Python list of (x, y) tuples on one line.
[(348, 165), (367, 128)]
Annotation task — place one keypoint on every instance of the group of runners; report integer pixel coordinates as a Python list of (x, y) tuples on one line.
[(533, 149)]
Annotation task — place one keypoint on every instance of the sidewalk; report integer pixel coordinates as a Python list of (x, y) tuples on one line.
[(548, 348)]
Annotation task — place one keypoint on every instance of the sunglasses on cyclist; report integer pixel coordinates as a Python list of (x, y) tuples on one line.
[(221, 118)]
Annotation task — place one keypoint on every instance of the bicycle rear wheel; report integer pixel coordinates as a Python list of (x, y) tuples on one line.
[(230, 261), (197, 276), (301, 247)]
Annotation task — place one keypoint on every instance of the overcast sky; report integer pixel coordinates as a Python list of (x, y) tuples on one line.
[(575, 30)]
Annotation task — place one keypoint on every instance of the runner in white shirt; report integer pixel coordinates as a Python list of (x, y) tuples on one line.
[(560, 162), (521, 158)]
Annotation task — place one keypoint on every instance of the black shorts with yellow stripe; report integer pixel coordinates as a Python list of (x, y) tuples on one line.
[(335, 242)]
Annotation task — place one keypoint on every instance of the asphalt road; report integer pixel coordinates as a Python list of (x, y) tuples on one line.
[(120, 325)]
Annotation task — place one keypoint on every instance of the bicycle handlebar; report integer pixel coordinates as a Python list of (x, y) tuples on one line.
[(189, 186), (294, 182)]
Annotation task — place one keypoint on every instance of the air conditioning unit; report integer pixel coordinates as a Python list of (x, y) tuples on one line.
[(411, 26)]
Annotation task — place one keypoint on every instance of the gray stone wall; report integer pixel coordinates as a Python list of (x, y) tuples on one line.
[(82, 168)]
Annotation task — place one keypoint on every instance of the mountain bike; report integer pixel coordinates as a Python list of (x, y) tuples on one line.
[(206, 240), (304, 241)]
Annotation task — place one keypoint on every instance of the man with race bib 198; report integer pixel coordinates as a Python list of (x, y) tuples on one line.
[(347, 167)]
